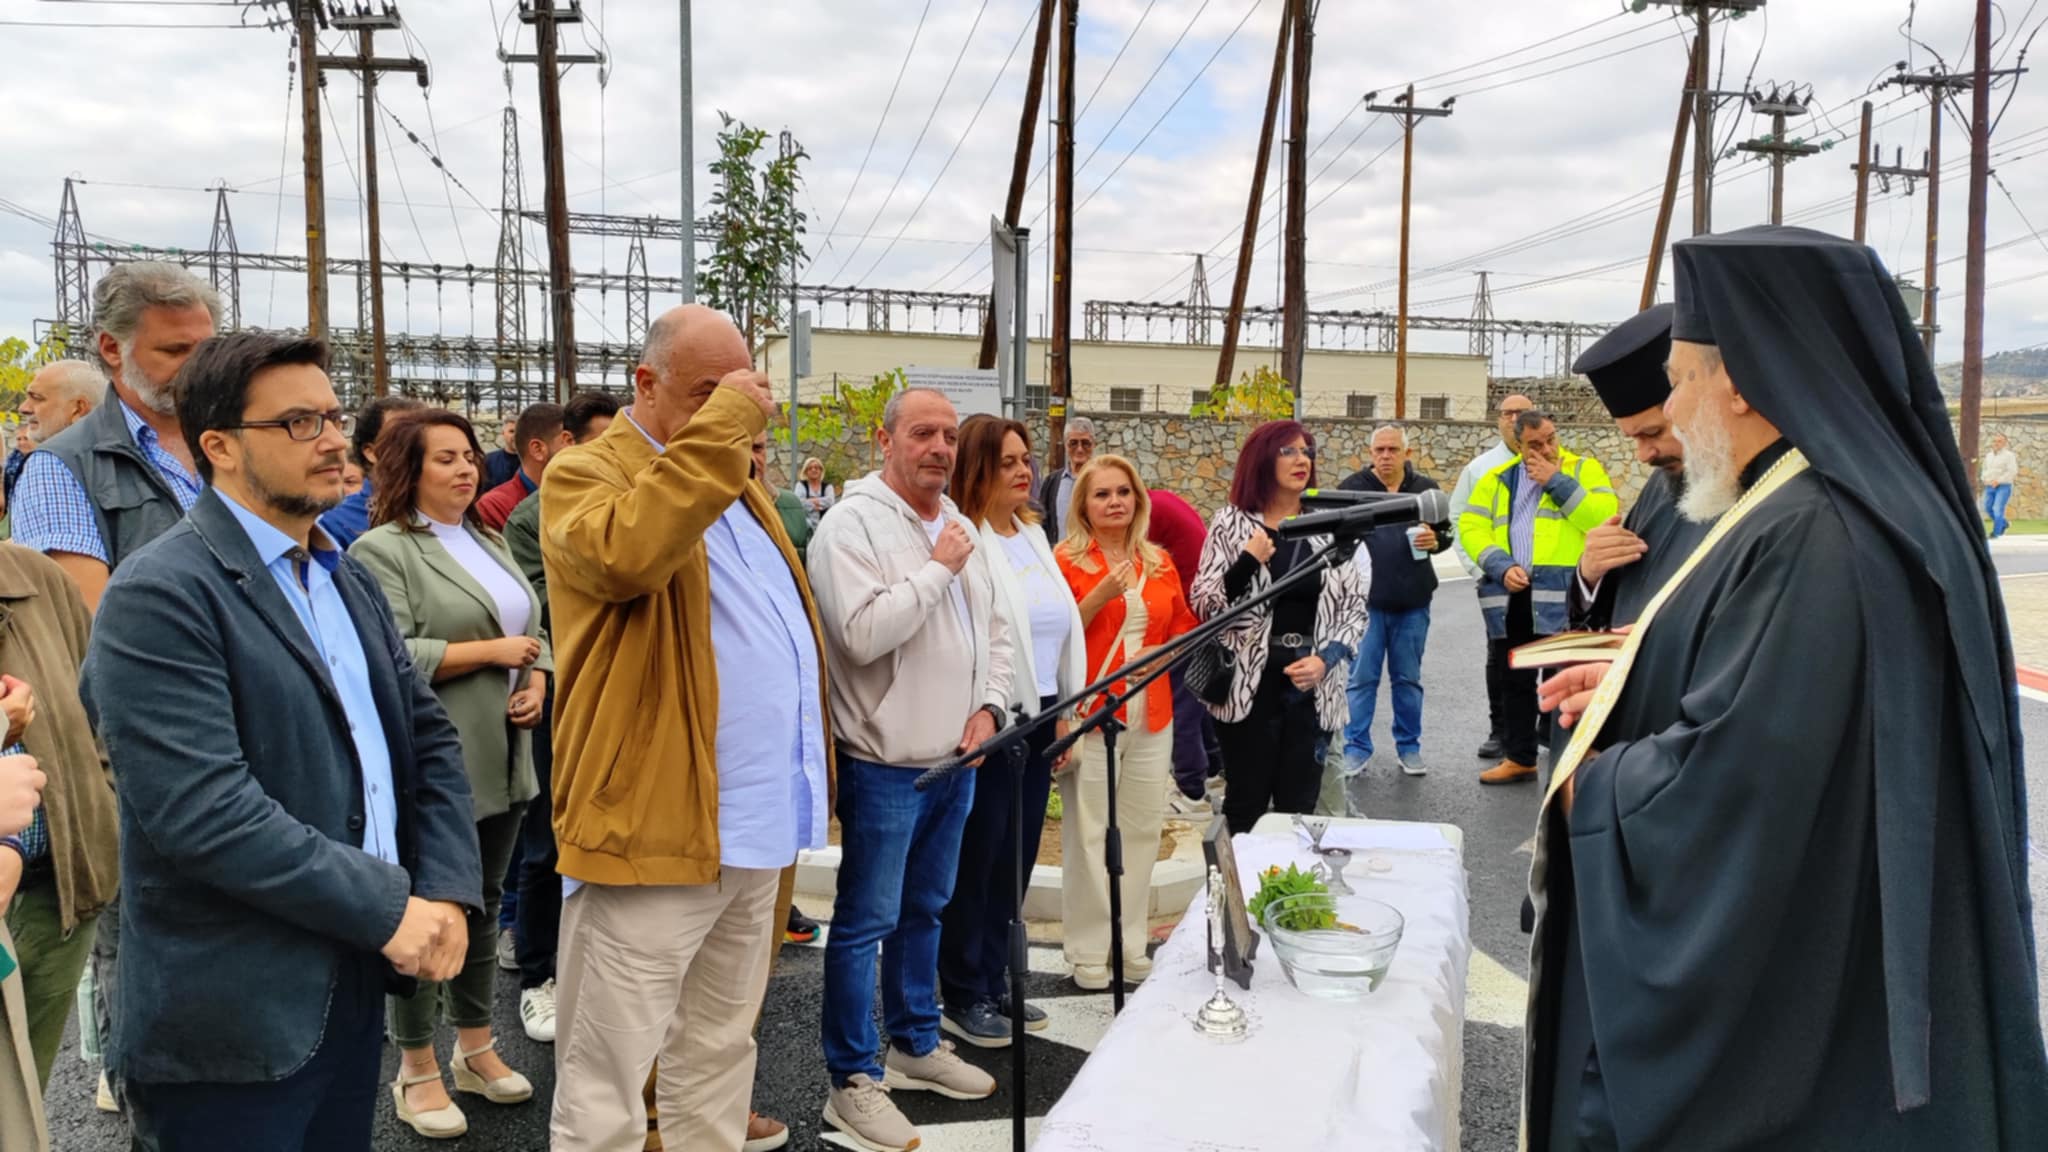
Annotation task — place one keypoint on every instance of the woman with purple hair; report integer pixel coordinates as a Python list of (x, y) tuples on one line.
[(1293, 654)]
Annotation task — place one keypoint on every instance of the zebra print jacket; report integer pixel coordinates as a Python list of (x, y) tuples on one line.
[(1340, 618)]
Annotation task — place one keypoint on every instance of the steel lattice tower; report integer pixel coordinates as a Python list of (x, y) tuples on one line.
[(74, 283), (510, 368), (224, 259)]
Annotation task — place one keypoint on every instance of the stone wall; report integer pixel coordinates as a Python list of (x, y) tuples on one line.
[(1194, 457)]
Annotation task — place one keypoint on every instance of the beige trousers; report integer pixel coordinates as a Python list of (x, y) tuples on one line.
[(1144, 763), (675, 973), (21, 1093)]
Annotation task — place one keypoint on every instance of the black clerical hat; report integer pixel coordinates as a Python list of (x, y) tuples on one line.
[(1626, 366)]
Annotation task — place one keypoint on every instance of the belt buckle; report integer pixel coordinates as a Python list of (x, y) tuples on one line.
[(1291, 640)]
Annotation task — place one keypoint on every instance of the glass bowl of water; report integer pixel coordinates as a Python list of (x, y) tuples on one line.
[(1332, 947)]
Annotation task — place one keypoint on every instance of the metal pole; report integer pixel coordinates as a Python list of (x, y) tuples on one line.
[(1695, 72), (1927, 305), (689, 190), (380, 358), (1240, 280), (1863, 159), (1778, 169), (1020, 335), (316, 199), (1973, 275)]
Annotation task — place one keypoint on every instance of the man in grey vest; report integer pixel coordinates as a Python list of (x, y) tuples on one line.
[(120, 477)]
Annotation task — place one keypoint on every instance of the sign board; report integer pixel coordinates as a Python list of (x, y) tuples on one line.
[(973, 391), (800, 345)]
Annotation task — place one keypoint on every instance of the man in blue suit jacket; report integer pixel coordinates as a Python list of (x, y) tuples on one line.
[(296, 835)]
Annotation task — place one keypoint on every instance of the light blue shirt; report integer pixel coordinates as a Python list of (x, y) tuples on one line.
[(771, 733), (53, 513), (333, 631), (1522, 521)]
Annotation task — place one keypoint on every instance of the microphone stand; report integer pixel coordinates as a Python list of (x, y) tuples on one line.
[(1011, 743)]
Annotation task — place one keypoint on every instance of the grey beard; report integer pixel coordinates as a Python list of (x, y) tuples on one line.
[(157, 400), (1712, 482)]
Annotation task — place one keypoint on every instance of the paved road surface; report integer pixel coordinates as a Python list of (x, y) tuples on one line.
[(1497, 824)]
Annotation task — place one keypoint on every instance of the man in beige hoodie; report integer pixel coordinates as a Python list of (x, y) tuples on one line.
[(919, 667)]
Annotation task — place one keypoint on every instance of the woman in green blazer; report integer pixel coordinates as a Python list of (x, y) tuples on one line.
[(473, 626)]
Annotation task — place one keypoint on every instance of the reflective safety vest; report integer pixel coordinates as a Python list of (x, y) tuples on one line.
[(1575, 501)]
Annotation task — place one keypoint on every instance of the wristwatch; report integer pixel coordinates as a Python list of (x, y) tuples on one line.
[(995, 714)]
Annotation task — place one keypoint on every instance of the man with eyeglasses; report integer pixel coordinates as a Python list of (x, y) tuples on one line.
[(1056, 494), (1507, 448), (296, 838)]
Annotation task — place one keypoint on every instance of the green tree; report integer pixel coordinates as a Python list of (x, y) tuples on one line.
[(1258, 396), (758, 229), (19, 363)]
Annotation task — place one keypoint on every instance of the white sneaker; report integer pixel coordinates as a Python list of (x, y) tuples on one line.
[(537, 1012), (508, 953), (1181, 806)]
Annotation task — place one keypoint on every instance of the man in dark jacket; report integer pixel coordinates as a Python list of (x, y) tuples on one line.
[(1397, 609), (296, 837)]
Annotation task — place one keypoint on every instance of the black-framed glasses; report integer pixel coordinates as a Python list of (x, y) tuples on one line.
[(306, 426)]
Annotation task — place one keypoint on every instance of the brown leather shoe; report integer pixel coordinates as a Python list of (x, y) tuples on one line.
[(1508, 772), (764, 1134)]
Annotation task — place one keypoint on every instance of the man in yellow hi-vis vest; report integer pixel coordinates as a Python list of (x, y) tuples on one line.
[(1525, 527)]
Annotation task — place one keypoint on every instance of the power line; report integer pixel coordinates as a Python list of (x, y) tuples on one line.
[(886, 106), (911, 157)]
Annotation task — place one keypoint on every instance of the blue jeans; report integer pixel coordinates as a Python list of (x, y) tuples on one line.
[(899, 852), (1995, 499), (1395, 639)]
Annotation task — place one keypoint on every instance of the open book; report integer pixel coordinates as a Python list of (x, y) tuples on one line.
[(1567, 648)]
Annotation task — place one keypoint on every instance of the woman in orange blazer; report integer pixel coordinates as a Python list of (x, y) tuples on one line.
[(1131, 602)]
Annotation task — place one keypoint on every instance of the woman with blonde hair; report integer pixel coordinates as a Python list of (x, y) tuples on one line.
[(1130, 602), (811, 488), (992, 486)]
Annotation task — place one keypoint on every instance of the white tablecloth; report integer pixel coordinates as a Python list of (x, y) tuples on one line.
[(1382, 1073)]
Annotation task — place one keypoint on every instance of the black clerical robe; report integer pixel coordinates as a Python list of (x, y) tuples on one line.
[(1708, 971), (1624, 592)]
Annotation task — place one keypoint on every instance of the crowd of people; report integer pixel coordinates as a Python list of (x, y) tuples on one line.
[(387, 715)]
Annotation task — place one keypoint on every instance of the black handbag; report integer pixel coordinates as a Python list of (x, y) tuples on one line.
[(1210, 672)]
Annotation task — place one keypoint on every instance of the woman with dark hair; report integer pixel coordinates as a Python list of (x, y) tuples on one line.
[(992, 485), (473, 627), (1293, 654), (1131, 602)]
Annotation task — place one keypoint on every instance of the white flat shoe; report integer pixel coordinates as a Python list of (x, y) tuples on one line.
[(508, 1089), (439, 1124)]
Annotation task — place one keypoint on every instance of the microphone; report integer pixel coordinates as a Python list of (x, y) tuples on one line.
[(1431, 507), (1344, 498)]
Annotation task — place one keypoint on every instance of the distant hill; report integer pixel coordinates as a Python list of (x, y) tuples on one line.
[(2021, 373)]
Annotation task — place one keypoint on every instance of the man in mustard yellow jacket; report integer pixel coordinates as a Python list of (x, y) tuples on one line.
[(692, 756)]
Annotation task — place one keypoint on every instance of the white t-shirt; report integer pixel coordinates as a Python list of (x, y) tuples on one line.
[(514, 610), (932, 528), (1051, 604)]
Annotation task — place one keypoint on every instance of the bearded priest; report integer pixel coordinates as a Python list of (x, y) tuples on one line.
[(1780, 871)]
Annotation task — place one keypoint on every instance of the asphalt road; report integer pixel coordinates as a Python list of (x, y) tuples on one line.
[(1497, 824)]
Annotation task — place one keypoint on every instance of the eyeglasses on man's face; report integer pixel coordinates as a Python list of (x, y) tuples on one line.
[(306, 426)]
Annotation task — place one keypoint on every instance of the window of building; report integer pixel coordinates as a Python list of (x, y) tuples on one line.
[(1436, 407), (1126, 399), (1198, 397), (1358, 406), (1037, 397)]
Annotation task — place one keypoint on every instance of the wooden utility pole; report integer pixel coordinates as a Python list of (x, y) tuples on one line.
[(1241, 277), (309, 16), (1404, 108), (1020, 168), (1864, 160), (1695, 76), (1780, 104), (1704, 101), (1973, 266), (1058, 377), (546, 20), (367, 65), (1294, 304)]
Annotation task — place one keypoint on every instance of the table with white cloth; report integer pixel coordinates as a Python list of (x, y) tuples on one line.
[(1377, 1074)]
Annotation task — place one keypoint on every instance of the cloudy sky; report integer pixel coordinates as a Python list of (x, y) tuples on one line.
[(1545, 176)]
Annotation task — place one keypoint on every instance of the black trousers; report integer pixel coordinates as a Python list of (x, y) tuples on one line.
[(1518, 689), (1274, 756), (1496, 716), (327, 1105), (540, 887), (974, 930)]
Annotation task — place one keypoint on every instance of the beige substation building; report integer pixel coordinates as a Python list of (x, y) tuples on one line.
[(1111, 376)]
